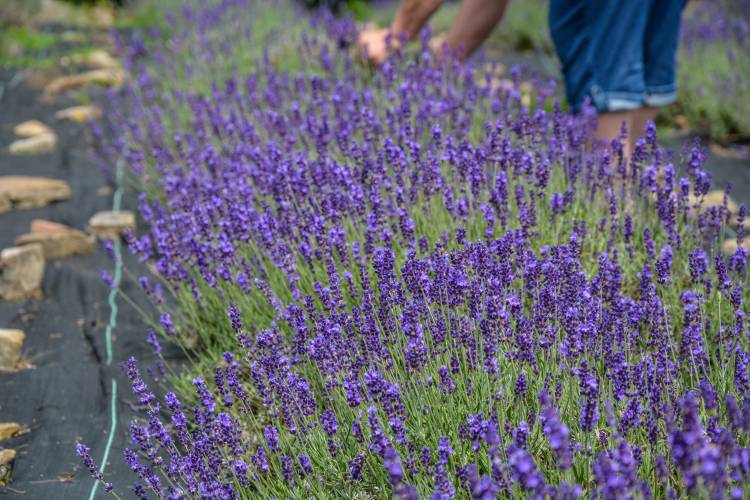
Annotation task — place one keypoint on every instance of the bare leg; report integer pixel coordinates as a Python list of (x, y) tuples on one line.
[(474, 22), (609, 125), (639, 118)]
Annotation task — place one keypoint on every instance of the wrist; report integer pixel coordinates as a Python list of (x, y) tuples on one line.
[(396, 38)]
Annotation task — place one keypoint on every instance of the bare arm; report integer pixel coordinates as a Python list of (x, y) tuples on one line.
[(475, 21), (412, 15), (473, 24)]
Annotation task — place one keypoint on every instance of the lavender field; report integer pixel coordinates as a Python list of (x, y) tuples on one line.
[(420, 281)]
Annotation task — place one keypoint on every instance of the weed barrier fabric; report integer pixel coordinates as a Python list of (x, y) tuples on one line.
[(66, 396)]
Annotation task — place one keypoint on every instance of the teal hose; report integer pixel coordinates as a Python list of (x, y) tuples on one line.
[(116, 201)]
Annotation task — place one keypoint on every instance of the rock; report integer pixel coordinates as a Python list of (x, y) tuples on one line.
[(735, 223), (5, 204), (57, 240), (111, 225), (107, 77), (31, 128), (46, 226), (11, 342), (72, 36), (494, 69), (80, 114), (735, 153), (713, 199), (64, 83), (33, 192), (97, 58), (21, 272), (11, 429), (729, 247), (35, 145), (6, 466)]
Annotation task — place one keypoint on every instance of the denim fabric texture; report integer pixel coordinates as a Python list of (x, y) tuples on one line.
[(621, 54)]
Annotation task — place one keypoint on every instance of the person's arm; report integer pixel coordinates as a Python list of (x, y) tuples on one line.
[(473, 24), (410, 17), (475, 21)]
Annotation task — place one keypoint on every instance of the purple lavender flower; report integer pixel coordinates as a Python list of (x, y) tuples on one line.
[(392, 464), (447, 385), (272, 438), (329, 422), (525, 471), (166, 323), (107, 279), (556, 431), (84, 453), (153, 341), (139, 386), (305, 463), (355, 467), (589, 387), (664, 265)]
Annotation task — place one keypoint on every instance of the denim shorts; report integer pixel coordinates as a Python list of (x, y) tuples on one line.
[(621, 54)]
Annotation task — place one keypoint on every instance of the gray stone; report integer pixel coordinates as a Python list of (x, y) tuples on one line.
[(10, 430), (57, 240), (11, 343), (729, 247), (6, 466), (5, 204), (112, 224), (106, 77), (21, 272), (31, 128), (35, 145), (80, 114), (58, 246), (33, 192), (712, 199)]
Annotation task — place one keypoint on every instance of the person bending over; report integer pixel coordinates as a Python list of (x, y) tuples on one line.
[(620, 55)]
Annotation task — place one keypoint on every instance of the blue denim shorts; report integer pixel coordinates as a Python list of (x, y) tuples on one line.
[(621, 54)]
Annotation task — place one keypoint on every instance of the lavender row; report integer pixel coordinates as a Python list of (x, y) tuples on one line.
[(418, 282)]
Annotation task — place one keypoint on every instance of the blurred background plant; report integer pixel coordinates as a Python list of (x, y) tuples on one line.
[(16, 12), (714, 65)]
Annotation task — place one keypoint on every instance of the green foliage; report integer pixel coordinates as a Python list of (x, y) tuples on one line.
[(714, 91), (17, 12), (525, 26)]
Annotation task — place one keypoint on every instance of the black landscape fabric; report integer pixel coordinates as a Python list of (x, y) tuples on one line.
[(67, 395)]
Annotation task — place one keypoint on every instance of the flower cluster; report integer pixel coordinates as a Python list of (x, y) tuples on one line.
[(416, 283)]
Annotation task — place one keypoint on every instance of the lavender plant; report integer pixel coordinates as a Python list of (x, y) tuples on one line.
[(410, 283)]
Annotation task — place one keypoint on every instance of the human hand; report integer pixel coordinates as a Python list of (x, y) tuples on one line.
[(373, 44), (437, 44)]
